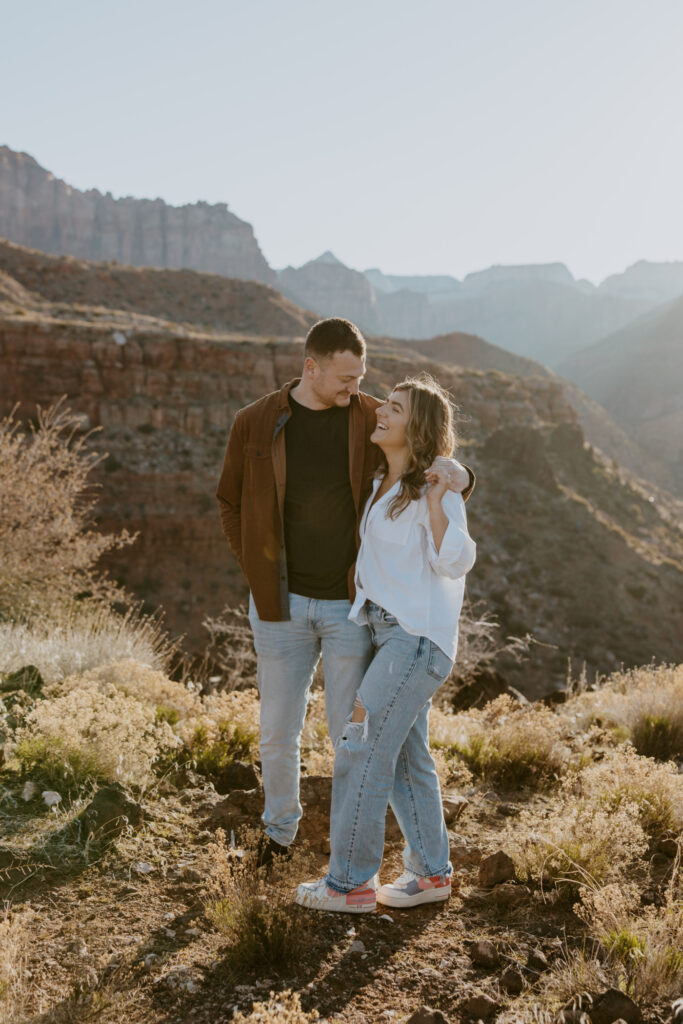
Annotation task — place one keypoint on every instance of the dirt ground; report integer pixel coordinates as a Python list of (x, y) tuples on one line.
[(122, 935)]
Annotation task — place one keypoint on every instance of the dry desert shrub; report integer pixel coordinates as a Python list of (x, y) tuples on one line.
[(92, 733), (136, 679), (281, 1008), (644, 705), (578, 842), (211, 730), (253, 907), (623, 776), (48, 548), (231, 648), (641, 948), (223, 728), (506, 743)]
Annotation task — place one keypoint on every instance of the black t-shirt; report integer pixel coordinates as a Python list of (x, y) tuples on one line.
[(320, 517)]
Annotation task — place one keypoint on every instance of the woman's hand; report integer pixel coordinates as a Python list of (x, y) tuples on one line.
[(445, 474)]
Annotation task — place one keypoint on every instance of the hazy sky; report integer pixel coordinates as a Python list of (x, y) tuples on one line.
[(434, 136)]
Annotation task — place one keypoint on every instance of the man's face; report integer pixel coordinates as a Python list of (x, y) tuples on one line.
[(335, 378)]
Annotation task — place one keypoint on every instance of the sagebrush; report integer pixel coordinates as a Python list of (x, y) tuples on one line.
[(253, 907), (49, 547)]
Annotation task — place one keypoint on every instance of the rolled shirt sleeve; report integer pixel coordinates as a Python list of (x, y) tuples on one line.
[(457, 553)]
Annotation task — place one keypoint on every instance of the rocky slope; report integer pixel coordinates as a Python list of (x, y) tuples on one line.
[(39, 210), (637, 375), (64, 287), (572, 549)]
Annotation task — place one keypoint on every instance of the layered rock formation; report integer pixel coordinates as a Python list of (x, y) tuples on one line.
[(571, 548), (41, 211)]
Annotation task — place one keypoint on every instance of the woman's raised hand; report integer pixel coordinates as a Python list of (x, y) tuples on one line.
[(445, 474)]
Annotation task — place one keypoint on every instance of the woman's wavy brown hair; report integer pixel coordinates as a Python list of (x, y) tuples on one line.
[(430, 431)]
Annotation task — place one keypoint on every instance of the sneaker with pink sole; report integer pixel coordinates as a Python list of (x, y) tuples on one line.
[(319, 896), (410, 890)]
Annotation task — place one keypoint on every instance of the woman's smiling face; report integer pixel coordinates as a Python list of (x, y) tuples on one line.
[(392, 420)]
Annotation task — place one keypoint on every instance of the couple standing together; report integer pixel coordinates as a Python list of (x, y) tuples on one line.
[(310, 472)]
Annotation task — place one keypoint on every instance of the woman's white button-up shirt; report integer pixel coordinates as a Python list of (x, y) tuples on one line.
[(399, 568)]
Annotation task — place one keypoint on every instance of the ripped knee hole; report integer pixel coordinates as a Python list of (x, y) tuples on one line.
[(359, 712)]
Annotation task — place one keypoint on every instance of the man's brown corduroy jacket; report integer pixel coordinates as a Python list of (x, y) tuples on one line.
[(251, 491)]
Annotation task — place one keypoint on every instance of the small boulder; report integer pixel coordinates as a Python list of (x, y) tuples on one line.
[(108, 813), (508, 894), (464, 856), (512, 981), (483, 953), (237, 775), (537, 961), (507, 810), (611, 1005), (453, 806), (496, 868), (478, 1007), (426, 1015)]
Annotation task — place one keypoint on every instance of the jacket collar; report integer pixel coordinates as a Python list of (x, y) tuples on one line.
[(283, 395)]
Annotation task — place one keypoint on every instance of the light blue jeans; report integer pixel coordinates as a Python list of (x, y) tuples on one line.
[(287, 654), (386, 759)]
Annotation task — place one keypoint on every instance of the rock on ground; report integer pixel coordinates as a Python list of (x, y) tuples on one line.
[(496, 868), (613, 1004)]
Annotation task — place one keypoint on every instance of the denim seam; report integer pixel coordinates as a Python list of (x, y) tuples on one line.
[(416, 819), (354, 827)]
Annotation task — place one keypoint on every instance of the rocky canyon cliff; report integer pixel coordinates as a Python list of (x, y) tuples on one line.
[(572, 548), (39, 210)]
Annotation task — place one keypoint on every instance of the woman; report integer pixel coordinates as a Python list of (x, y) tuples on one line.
[(415, 551)]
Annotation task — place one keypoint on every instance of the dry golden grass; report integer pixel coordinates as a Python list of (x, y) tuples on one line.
[(80, 638), (505, 743), (578, 842), (14, 980), (138, 680), (644, 705), (636, 950), (625, 777)]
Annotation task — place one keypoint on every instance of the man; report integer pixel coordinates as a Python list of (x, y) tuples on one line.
[(297, 472)]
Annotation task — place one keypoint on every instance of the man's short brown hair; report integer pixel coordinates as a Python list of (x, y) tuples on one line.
[(333, 335)]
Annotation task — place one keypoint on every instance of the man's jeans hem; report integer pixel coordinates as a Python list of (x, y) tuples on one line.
[(276, 835)]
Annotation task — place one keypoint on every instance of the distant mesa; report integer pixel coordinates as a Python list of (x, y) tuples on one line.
[(538, 311), (43, 212), (553, 273), (330, 288)]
